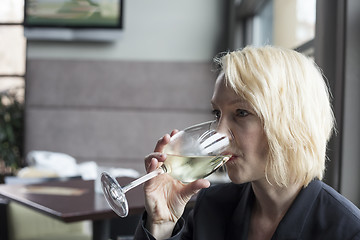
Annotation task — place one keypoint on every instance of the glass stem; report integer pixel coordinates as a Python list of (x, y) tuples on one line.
[(143, 179)]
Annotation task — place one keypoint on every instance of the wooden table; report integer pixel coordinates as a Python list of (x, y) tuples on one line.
[(83, 204)]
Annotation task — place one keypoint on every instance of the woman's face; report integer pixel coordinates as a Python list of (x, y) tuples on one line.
[(249, 146)]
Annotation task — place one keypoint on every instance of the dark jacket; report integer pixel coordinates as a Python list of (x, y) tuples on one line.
[(223, 212)]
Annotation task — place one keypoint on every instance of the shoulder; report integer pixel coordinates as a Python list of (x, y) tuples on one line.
[(337, 203), (320, 212), (334, 215)]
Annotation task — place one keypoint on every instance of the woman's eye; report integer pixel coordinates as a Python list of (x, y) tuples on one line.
[(216, 114), (241, 113)]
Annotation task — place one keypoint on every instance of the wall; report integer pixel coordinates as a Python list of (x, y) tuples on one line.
[(154, 30), (337, 54), (351, 131), (110, 102)]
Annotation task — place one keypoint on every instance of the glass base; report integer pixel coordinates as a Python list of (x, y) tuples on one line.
[(114, 195)]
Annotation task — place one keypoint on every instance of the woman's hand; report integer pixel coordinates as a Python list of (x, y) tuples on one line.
[(166, 197)]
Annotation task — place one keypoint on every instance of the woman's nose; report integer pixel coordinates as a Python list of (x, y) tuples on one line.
[(225, 129)]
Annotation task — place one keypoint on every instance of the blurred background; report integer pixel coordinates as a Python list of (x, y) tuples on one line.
[(106, 93)]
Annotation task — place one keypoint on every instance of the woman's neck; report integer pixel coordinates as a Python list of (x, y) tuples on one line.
[(273, 201), (271, 205)]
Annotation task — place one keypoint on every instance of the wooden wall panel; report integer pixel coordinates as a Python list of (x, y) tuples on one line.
[(112, 112), (116, 84), (103, 136)]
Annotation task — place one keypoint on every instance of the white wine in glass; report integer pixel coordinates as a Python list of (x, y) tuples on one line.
[(192, 153)]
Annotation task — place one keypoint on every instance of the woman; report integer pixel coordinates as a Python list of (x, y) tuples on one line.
[(277, 107)]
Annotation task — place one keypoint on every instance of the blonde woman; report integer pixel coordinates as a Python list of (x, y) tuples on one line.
[(277, 107)]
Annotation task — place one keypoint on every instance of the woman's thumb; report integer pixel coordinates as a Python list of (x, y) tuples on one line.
[(194, 187)]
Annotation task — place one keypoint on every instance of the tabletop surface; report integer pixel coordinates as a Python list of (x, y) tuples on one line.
[(72, 200)]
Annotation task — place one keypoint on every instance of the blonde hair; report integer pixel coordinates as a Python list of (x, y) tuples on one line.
[(289, 95)]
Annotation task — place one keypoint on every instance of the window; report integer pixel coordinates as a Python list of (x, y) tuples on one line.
[(12, 47), (294, 24), (285, 23)]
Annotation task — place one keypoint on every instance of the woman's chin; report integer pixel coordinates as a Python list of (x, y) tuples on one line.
[(235, 176)]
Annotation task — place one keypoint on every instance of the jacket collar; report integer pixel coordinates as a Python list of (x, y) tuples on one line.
[(292, 224), (289, 228), (240, 222)]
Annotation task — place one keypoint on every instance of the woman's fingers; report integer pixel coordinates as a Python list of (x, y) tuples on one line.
[(161, 143), (174, 132), (150, 164), (152, 161)]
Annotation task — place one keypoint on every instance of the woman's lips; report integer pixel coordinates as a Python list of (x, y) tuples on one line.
[(232, 158)]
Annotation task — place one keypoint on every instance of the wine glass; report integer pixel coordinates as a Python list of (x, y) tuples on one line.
[(192, 153)]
